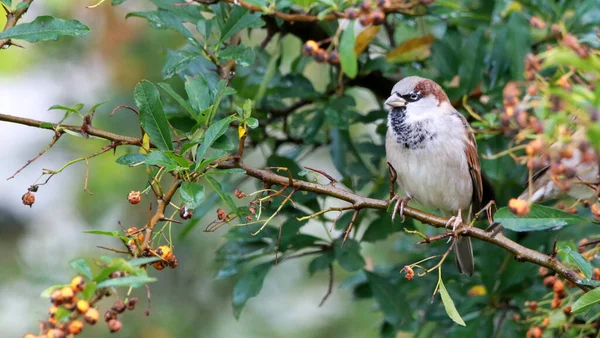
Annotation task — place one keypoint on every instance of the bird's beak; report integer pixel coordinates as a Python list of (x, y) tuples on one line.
[(395, 101)]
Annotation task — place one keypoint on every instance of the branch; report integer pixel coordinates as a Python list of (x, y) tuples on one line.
[(11, 21), (121, 139), (522, 254)]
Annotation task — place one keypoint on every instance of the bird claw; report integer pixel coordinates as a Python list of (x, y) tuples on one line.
[(455, 221), (399, 207)]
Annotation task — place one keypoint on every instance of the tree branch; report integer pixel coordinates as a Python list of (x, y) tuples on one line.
[(521, 253), (11, 21)]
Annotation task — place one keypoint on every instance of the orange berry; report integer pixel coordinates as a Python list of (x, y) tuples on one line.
[(533, 305), (543, 271), (556, 302), (134, 197), (410, 273), (165, 252), (83, 306), (91, 316), (558, 286), (75, 327), (321, 56), (378, 17), (28, 198), (534, 332), (221, 214), (518, 207), (567, 310), (365, 19), (549, 281), (77, 284), (29, 335), (55, 333), (158, 265), (545, 323), (56, 297), (310, 47), (52, 310)]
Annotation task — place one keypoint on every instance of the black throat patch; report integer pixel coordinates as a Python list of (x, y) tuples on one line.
[(410, 136)]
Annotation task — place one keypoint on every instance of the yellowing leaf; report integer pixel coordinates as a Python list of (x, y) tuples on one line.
[(411, 50), (477, 290), (241, 131), (145, 144), (364, 39)]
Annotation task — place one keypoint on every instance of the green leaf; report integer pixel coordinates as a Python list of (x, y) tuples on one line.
[(212, 134), (131, 159), (582, 263), (74, 109), (348, 254), (162, 20), (192, 194), (198, 92), (539, 218), (45, 28), (152, 115), (223, 143), (321, 262), (239, 19), (390, 298), (252, 122), (159, 158), (167, 88), (177, 61), (449, 305), (586, 301), (81, 267), (8, 3), (117, 2), (347, 56), (90, 289), (143, 260), (471, 65), (115, 234), (131, 281), (248, 286), (517, 42), (224, 196)]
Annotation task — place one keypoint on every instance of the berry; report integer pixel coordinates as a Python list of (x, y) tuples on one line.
[(56, 333), (77, 284), (321, 56), (410, 273), (56, 297), (83, 306), (221, 214), (556, 302), (334, 58), (534, 332), (70, 305), (351, 13), (110, 315), (29, 335), (239, 194), (558, 286), (67, 294), (134, 197), (365, 6), (75, 327), (518, 207), (545, 323), (158, 265), (186, 213), (131, 303), (377, 16), (28, 198), (118, 306), (114, 325), (383, 3), (365, 19), (567, 310), (310, 47), (532, 306), (165, 252), (549, 281), (91, 316)]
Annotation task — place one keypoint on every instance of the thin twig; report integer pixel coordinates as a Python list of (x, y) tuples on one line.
[(329, 287), (331, 179), (55, 138), (11, 21)]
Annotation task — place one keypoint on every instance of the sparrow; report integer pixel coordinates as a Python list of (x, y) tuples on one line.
[(580, 166), (433, 151)]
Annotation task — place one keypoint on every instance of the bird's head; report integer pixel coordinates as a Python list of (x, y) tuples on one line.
[(418, 95)]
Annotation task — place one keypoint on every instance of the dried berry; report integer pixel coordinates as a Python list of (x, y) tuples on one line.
[(310, 47), (518, 207), (118, 306), (114, 325), (365, 6), (558, 286), (134, 197), (549, 281), (377, 17), (410, 273), (567, 310), (534, 147), (351, 13), (131, 303), (186, 213), (77, 284), (91, 316), (165, 252), (365, 19), (556, 302), (75, 327), (159, 265), (221, 214), (321, 56), (110, 315), (532, 305), (239, 194), (334, 58), (70, 305), (28, 198)]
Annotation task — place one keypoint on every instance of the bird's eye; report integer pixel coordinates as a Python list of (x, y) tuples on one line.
[(414, 96)]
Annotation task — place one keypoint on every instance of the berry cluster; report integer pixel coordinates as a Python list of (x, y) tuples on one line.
[(111, 317), (368, 13), (66, 298), (312, 48), (136, 237)]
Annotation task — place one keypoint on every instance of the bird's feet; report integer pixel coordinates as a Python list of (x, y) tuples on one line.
[(399, 207), (454, 221)]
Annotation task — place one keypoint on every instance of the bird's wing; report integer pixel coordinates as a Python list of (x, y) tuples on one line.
[(474, 165)]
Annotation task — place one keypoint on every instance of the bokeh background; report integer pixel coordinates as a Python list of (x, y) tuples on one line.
[(38, 242)]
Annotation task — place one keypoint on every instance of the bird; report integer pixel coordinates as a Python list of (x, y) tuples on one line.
[(432, 148), (578, 167)]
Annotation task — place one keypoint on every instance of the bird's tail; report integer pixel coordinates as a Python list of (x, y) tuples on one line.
[(464, 255)]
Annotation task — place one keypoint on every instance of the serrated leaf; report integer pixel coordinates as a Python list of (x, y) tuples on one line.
[(248, 286), (224, 196), (45, 28), (131, 159), (415, 49), (539, 218), (81, 267), (192, 194), (239, 19), (167, 88), (152, 116), (449, 305), (586, 301), (583, 264), (347, 55), (212, 134), (348, 254), (131, 281)]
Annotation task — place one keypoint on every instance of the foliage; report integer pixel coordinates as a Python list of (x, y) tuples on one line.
[(226, 95)]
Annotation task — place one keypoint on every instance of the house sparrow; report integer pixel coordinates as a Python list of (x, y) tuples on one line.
[(566, 176), (433, 151)]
